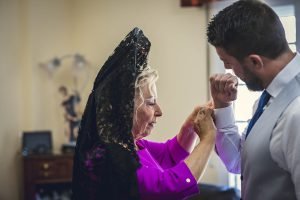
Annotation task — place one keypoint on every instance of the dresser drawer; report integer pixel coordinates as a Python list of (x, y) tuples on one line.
[(44, 169)]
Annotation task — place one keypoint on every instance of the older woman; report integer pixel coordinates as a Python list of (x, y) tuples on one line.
[(112, 161)]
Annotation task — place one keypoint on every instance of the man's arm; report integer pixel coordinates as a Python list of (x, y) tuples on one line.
[(228, 141)]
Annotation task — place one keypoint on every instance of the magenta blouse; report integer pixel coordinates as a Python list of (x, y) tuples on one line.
[(163, 174)]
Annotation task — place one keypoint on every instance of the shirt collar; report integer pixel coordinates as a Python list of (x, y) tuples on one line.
[(284, 76), (140, 145)]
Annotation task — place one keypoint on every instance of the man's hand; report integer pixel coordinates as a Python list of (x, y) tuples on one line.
[(223, 89)]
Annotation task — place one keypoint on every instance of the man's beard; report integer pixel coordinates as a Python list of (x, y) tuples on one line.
[(253, 83)]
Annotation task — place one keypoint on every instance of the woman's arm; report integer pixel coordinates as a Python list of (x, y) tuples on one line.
[(187, 136), (174, 183), (198, 159), (205, 128)]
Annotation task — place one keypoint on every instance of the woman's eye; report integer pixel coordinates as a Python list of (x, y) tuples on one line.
[(151, 103)]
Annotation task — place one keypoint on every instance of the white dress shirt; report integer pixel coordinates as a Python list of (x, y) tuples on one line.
[(285, 141)]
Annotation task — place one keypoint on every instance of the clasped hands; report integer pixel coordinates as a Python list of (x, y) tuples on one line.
[(223, 91)]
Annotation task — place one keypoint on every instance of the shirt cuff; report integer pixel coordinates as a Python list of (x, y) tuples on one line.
[(224, 117), (175, 183), (178, 153), (188, 183)]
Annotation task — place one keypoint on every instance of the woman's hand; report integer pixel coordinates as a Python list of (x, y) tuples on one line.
[(205, 128), (204, 125)]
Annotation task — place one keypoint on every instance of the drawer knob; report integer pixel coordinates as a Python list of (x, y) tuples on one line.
[(46, 166), (46, 174)]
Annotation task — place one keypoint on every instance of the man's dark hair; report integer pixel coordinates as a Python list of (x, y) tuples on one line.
[(248, 27)]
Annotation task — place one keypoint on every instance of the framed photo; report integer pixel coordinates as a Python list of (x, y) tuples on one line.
[(36, 142)]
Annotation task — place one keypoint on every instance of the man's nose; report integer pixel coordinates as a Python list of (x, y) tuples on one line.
[(228, 67)]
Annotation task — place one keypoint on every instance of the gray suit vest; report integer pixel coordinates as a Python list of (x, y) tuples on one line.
[(262, 178)]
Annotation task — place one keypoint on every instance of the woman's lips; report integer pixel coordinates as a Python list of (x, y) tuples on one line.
[(151, 125)]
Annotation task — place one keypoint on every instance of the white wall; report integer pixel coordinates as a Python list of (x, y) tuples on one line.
[(31, 31), (178, 48), (34, 31), (10, 107)]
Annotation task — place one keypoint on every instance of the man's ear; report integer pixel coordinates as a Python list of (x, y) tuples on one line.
[(255, 61)]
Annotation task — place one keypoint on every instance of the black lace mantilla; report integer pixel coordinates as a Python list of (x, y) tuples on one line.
[(105, 160)]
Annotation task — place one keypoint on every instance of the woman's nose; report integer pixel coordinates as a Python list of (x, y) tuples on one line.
[(158, 111)]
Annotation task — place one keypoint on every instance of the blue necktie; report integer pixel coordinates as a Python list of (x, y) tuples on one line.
[(264, 98)]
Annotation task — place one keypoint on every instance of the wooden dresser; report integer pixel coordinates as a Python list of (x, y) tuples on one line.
[(44, 171)]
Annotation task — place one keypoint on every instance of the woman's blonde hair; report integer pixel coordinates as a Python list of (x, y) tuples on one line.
[(148, 77)]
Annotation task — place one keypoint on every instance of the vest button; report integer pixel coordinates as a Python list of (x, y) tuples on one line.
[(242, 177)]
